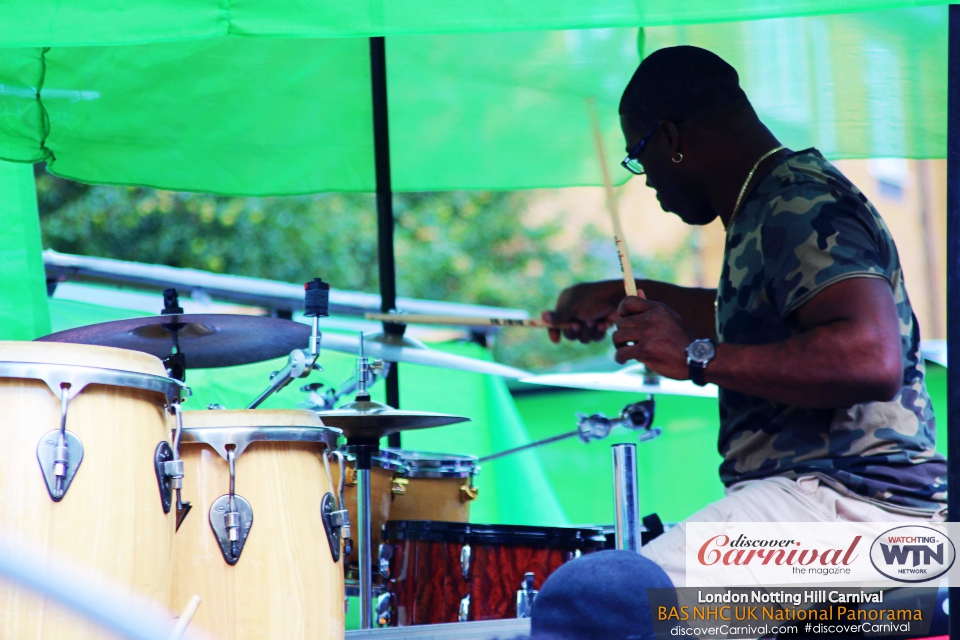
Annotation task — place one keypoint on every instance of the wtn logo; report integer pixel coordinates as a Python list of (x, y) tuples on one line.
[(912, 553), (899, 554)]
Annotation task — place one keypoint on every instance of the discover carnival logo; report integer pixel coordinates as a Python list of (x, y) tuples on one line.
[(912, 553), (744, 550), (728, 554)]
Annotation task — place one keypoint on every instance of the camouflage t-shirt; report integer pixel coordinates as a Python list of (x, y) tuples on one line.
[(803, 228)]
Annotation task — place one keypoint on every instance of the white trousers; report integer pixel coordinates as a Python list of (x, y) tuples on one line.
[(777, 499)]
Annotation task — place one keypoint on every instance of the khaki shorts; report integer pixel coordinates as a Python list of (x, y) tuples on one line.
[(779, 499)]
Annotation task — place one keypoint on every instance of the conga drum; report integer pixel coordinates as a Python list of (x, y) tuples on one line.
[(93, 496), (386, 465), (434, 486), (256, 547), (455, 572)]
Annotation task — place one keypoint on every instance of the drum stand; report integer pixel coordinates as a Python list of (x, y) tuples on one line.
[(364, 452)]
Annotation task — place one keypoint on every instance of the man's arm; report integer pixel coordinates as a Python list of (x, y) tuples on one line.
[(848, 353), (591, 308)]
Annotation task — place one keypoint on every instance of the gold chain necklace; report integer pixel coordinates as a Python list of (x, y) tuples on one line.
[(743, 189)]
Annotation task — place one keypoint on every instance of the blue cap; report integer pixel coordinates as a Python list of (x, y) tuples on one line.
[(599, 595)]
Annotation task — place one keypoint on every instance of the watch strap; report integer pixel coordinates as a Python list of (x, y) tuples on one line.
[(697, 371)]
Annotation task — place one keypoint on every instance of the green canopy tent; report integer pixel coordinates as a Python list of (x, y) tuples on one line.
[(242, 115), (258, 98)]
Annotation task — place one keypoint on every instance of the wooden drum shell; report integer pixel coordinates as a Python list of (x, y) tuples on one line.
[(431, 499), (111, 520), (427, 577), (285, 584)]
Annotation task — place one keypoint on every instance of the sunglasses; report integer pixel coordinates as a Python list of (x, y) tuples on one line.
[(632, 162)]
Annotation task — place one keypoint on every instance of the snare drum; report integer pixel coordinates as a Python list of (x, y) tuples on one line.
[(434, 486), (105, 512), (262, 475), (455, 572)]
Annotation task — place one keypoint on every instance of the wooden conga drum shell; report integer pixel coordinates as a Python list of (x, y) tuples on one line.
[(285, 584), (111, 520)]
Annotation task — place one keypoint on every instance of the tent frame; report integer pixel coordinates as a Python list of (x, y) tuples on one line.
[(953, 292), (385, 221)]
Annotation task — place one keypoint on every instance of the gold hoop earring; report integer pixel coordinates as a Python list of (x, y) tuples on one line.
[(675, 160)]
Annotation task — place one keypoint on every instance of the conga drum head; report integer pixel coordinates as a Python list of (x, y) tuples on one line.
[(81, 355), (449, 572), (222, 429)]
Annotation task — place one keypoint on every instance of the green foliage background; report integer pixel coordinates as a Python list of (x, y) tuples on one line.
[(470, 247)]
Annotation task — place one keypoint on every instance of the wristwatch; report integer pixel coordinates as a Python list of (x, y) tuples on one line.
[(699, 353)]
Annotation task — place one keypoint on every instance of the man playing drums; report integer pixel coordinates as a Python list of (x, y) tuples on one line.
[(824, 414)]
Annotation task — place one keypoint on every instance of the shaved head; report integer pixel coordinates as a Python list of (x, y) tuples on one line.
[(678, 83)]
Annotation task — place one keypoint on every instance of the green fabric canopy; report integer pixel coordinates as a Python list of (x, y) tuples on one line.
[(23, 293), (194, 108), (45, 23)]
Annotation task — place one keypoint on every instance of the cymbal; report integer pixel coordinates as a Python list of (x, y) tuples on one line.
[(224, 340), (630, 379), (206, 340), (369, 420), (392, 348)]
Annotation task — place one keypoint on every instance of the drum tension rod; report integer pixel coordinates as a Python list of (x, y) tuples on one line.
[(526, 594), (169, 469), (60, 452), (231, 517), (336, 520)]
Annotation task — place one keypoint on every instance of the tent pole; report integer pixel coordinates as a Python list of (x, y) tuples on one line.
[(381, 150), (953, 292)]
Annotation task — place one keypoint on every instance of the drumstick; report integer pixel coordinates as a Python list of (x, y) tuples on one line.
[(625, 268), (468, 321), (185, 618)]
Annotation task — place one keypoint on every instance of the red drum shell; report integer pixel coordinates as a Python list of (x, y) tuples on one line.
[(426, 574)]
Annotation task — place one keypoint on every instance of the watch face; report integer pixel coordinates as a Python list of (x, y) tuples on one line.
[(701, 350)]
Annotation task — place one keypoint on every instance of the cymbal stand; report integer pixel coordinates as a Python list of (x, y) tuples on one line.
[(364, 452), (635, 417), (301, 362), (322, 401)]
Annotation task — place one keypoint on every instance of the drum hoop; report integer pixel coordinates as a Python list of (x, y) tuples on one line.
[(427, 464), (440, 472), (219, 438), (78, 377), (481, 534), (386, 459)]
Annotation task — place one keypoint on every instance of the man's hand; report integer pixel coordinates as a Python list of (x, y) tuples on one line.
[(590, 308), (652, 333)]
